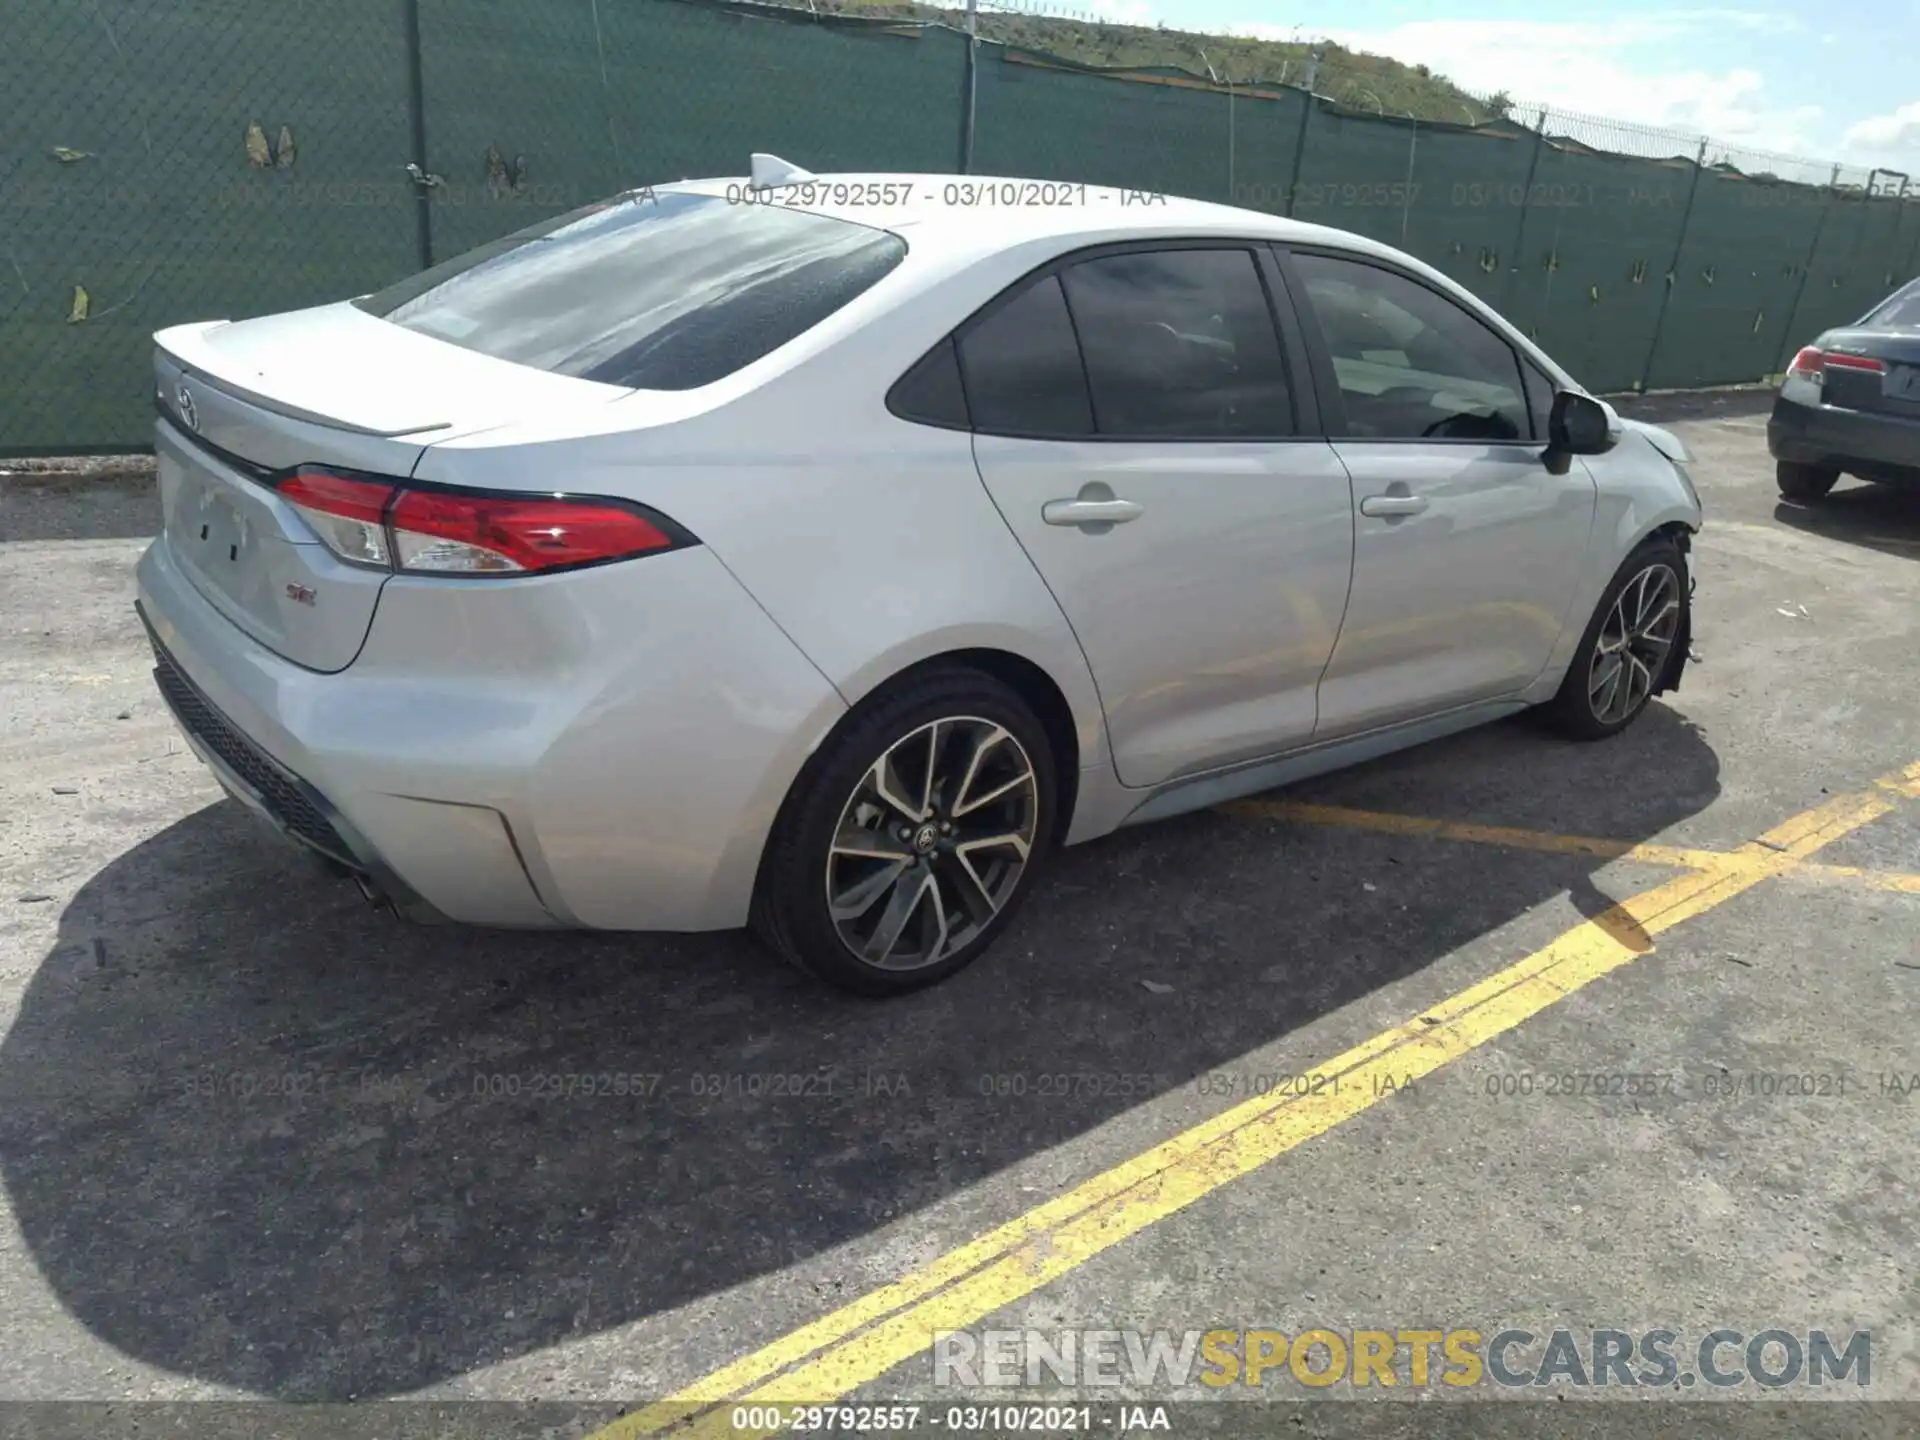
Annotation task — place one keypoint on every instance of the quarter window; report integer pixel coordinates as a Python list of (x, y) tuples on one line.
[(1540, 393), (1022, 367), (1412, 364)]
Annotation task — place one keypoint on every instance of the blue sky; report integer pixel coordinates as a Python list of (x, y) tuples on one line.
[(1834, 81)]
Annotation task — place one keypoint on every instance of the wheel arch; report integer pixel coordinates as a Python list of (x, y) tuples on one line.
[(1023, 675)]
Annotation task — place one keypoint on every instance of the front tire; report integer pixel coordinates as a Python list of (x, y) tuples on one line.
[(1806, 483), (1630, 647), (912, 835)]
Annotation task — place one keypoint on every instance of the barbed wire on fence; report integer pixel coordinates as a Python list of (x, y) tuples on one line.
[(1409, 92)]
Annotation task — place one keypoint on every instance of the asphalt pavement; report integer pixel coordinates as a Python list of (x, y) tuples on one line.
[(259, 1141)]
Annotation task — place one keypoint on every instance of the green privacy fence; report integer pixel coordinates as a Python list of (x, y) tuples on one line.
[(211, 158)]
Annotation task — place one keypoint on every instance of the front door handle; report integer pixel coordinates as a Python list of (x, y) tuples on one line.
[(1095, 509), (1390, 506)]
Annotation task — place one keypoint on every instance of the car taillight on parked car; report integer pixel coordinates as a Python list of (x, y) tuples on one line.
[(390, 525), (1812, 364)]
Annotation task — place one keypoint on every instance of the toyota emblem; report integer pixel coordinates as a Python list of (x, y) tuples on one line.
[(183, 397)]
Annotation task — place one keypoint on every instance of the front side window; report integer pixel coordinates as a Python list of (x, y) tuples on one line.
[(655, 291), (1412, 364), (1179, 344)]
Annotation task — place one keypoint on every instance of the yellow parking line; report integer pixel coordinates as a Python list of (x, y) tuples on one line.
[(1549, 842), (1413, 825), (1873, 879), (835, 1355)]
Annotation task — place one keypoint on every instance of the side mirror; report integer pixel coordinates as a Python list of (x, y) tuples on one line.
[(1581, 425)]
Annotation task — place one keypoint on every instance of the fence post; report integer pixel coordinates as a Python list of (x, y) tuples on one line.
[(1673, 270), (1233, 197), (1526, 200), (1306, 119), (973, 88), (1806, 269), (1406, 204), (417, 117), (1913, 253)]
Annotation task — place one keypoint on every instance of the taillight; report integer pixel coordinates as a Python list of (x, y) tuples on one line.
[(491, 535), (348, 515), (388, 526), (1812, 363)]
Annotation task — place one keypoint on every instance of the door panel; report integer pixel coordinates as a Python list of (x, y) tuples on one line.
[(1467, 546), (1208, 615), (1463, 599)]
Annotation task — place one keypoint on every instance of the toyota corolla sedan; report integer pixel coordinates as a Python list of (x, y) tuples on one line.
[(818, 554)]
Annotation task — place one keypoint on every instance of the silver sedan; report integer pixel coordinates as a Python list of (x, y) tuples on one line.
[(820, 553)]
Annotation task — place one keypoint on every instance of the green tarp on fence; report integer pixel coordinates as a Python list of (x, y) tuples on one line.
[(212, 158)]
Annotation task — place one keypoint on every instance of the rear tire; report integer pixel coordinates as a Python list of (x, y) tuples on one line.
[(1630, 646), (1804, 482), (911, 836)]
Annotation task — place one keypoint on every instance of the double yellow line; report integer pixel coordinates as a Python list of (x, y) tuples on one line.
[(835, 1355)]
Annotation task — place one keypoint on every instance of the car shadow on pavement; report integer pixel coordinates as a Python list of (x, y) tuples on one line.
[(258, 1135), (1877, 517)]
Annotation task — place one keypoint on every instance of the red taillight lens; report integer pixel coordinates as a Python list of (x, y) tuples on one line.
[(348, 515), (1812, 363), (1855, 362), (446, 532), (490, 535)]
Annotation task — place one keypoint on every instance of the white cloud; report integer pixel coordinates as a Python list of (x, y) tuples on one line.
[(1624, 68), (1893, 138)]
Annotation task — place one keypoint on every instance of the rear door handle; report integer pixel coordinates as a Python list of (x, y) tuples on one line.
[(1393, 505), (1090, 512)]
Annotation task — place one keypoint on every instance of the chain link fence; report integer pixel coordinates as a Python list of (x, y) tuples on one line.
[(212, 158)]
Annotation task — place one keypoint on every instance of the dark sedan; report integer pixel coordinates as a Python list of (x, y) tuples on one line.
[(1851, 404)]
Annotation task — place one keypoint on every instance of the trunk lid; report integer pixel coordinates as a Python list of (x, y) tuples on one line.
[(336, 387), (1896, 392)]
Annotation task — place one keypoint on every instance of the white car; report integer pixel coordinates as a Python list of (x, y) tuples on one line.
[(820, 552)]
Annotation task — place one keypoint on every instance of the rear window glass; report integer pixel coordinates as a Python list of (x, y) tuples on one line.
[(1902, 312), (653, 292)]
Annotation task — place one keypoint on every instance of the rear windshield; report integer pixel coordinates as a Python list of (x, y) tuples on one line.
[(650, 291), (1902, 312)]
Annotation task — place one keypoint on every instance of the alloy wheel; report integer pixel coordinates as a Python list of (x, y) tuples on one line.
[(932, 843), (1633, 644)]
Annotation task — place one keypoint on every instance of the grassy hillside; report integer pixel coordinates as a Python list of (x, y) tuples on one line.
[(1368, 82)]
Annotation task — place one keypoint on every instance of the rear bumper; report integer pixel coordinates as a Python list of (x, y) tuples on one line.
[(282, 800), (1882, 447), (605, 749)]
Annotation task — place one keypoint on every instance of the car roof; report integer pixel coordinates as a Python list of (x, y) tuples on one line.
[(985, 213), (950, 221)]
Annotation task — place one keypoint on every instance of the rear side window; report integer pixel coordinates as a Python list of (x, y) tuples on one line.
[(1179, 344), (654, 292), (1022, 367)]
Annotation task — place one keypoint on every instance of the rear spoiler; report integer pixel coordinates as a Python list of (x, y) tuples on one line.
[(185, 346)]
